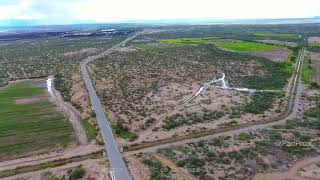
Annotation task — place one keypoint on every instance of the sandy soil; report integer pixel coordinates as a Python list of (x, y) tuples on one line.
[(29, 100), (314, 39), (37, 159), (125, 49), (216, 99), (279, 54), (285, 43), (299, 171), (180, 173), (79, 94), (88, 51), (94, 170), (315, 76), (137, 169), (73, 116), (307, 168)]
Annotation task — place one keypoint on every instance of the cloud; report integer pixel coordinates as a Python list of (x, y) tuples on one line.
[(69, 11)]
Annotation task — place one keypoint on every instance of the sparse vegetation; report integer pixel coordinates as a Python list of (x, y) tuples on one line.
[(157, 171), (60, 85), (191, 118)]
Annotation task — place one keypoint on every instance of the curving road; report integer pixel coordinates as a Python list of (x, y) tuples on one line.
[(119, 169)]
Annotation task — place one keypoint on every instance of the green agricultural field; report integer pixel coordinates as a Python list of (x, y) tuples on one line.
[(245, 46), (190, 40), (29, 122), (160, 46), (316, 44), (274, 35)]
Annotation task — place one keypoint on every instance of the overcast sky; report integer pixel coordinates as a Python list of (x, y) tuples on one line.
[(69, 11)]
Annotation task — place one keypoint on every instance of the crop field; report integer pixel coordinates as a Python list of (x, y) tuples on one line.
[(60, 56), (275, 35), (139, 87), (190, 40), (29, 122), (246, 46), (283, 32), (316, 44)]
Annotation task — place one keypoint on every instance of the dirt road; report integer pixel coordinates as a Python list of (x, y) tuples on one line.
[(184, 174), (294, 100), (292, 173), (70, 112), (38, 159)]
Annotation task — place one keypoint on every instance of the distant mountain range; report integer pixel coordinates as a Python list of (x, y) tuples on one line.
[(24, 23)]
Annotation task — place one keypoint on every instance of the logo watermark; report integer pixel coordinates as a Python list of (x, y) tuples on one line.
[(292, 143)]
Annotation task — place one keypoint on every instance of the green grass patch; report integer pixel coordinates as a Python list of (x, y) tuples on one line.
[(124, 132), (244, 137), (91, 131), (306, 70), (246, 46), (76, 173), (190, 40), (32, 126), (316, 44), (276, 35)]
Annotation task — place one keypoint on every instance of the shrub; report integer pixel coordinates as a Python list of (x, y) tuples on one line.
[(76, 173)]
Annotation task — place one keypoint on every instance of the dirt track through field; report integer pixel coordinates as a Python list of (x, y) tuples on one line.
[(292, 109), (292, 173), (38, 159), (182, 172)]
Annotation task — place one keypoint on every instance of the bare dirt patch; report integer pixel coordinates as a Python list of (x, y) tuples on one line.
[(79, 95), (29, 100), (280, 54), (314, 39), (138, 170), (71, 151), (125, 49), (302, 170), (94, 169), (87, 51), (315, 75), (284, 43)]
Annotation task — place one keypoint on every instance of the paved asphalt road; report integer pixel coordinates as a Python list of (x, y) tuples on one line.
[(118, 166)]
